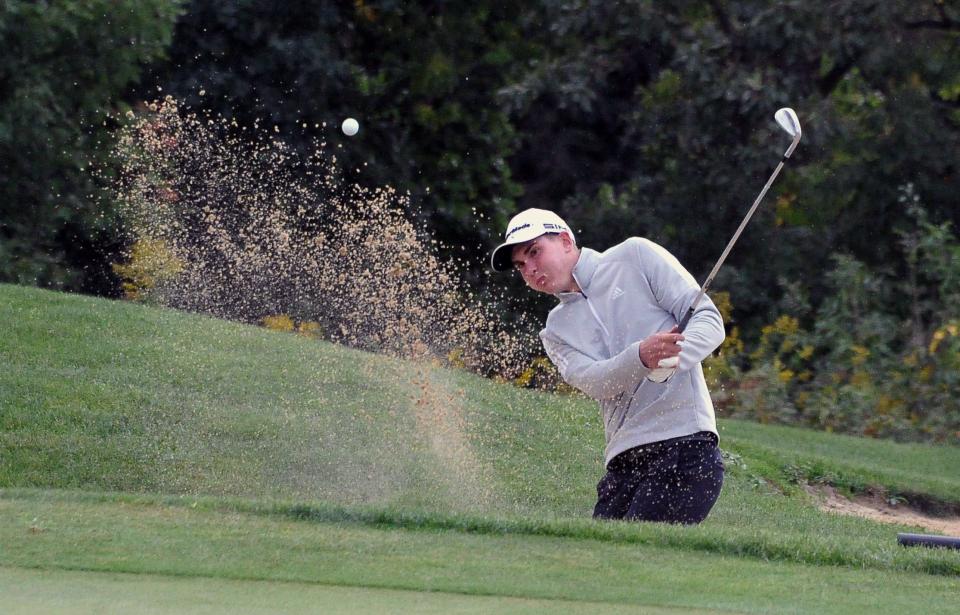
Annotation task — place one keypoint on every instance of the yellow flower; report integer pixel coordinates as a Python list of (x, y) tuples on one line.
[(941, 334), (723, 303), (787, 325), (733, 344), (455, 358), (309, 329), (887, 405), (860, 354), (280, 322), (151, 262), (542, 363), (524, 378)]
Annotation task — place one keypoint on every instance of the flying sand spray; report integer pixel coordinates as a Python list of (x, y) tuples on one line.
[(255, 229)]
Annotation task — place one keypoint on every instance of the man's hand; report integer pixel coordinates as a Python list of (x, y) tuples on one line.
[(660, 346), (661, 352)]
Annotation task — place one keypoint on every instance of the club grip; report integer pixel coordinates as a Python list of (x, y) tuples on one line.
[(686, 319)]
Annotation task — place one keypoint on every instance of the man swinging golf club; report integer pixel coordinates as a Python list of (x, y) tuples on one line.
[(630, 331), (615, 336)]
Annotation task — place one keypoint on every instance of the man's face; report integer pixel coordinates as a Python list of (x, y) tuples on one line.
[(546, 263)]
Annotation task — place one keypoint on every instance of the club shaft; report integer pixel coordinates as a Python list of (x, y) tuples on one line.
[(726, 251)]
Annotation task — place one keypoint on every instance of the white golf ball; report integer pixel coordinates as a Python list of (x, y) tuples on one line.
[(350, 127)]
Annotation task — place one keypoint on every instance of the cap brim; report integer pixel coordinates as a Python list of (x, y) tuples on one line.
[(502, 257)]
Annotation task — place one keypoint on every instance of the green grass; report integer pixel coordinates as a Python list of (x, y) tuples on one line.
[(108, 406), (923, 473), (145, 537), (53, 592)]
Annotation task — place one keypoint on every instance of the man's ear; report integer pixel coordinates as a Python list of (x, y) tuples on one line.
[(567, 241)]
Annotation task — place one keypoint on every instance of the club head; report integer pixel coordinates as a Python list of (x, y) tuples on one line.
[(788, 120)]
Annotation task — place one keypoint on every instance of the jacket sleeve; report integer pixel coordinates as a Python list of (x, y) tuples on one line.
[(675, 289), (603, 379)]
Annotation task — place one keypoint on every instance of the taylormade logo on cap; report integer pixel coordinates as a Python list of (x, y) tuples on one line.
[(515, 229), (523, 227)]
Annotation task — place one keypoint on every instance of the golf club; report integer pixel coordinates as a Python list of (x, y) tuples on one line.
[(787, 119)]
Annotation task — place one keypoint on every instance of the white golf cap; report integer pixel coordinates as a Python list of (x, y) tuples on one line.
[(526, 225)]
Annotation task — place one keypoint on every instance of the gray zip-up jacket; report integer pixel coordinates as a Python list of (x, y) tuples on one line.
[(629, 292)]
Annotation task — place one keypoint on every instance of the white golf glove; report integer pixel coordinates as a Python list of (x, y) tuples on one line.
[(664, 370)]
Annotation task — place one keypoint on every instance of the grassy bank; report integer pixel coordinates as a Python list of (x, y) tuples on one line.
[(111, 409), (151, 538)]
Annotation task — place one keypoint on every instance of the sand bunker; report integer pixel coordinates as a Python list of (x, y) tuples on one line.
[(878, 508)]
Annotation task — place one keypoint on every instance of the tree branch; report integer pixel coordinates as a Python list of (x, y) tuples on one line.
[(722, 18), (946, 25), (828, 82), (944, 101)]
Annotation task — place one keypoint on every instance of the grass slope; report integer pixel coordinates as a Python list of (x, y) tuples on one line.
[(152, 538), (53, 592), (101, 400)]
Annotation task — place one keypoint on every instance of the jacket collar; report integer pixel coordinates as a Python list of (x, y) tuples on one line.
[(582, 273)]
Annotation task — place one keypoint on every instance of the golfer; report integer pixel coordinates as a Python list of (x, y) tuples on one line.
[(614, 336)]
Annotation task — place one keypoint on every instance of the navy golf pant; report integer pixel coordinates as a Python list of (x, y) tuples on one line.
[(674, 482)]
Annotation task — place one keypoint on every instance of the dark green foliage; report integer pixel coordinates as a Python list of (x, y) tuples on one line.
[(660, 124), (62, 67), (182, 410), (880, 354)]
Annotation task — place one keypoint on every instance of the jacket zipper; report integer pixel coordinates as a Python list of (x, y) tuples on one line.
[(594, 312)]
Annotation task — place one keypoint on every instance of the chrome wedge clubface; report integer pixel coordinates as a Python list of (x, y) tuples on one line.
[(787, 119)]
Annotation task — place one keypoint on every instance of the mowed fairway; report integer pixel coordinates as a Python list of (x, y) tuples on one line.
[(63, 591), (183, 542), (182, 463)]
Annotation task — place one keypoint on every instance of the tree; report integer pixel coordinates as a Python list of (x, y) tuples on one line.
[(656, 119), (63, 66)]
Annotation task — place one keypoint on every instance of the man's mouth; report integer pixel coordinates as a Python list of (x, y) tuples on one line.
[(541, 280)]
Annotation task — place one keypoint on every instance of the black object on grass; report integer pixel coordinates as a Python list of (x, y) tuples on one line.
[(928, 540)]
